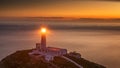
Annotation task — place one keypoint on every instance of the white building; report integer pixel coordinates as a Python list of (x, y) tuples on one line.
[(48, 52)]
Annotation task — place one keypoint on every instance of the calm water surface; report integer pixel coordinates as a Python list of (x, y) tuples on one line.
[(99, 46)]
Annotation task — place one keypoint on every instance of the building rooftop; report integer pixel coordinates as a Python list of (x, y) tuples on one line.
[(55, 49)]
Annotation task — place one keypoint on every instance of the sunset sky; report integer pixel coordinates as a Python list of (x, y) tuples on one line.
[(60, 8)]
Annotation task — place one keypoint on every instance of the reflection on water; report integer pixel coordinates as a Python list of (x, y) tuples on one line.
[(100, 46)]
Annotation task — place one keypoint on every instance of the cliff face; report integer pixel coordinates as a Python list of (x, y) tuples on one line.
[(21, 59)]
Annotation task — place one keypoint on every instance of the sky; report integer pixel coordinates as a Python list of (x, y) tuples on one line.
[(60, 8)]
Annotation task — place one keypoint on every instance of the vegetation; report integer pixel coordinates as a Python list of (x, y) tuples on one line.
[(62, 63), (83, 62)]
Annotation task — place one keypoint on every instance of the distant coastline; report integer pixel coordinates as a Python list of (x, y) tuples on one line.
[(60, 18)]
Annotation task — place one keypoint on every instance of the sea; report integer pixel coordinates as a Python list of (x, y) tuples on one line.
[(96, 41)]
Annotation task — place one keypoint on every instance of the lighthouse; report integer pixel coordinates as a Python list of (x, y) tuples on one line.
[(48, 52), (43, 39)]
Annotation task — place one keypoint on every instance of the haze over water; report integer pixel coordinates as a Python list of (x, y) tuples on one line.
[(96, 41)]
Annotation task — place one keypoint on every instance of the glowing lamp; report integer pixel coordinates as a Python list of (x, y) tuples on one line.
[(43, 30)]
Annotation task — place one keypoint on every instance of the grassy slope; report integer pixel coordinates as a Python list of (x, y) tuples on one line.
[(85, 63)]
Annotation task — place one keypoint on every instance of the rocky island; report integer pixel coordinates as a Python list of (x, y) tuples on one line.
[(21, 59)]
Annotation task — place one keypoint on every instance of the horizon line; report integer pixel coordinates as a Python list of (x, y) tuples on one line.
[(62, 17)]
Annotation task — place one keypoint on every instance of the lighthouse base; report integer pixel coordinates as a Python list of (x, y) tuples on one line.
[(49, 53)]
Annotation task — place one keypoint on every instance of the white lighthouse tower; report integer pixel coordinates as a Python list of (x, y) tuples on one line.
[(43, 39)]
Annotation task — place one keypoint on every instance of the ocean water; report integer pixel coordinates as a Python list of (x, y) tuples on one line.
[(95, 41)]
